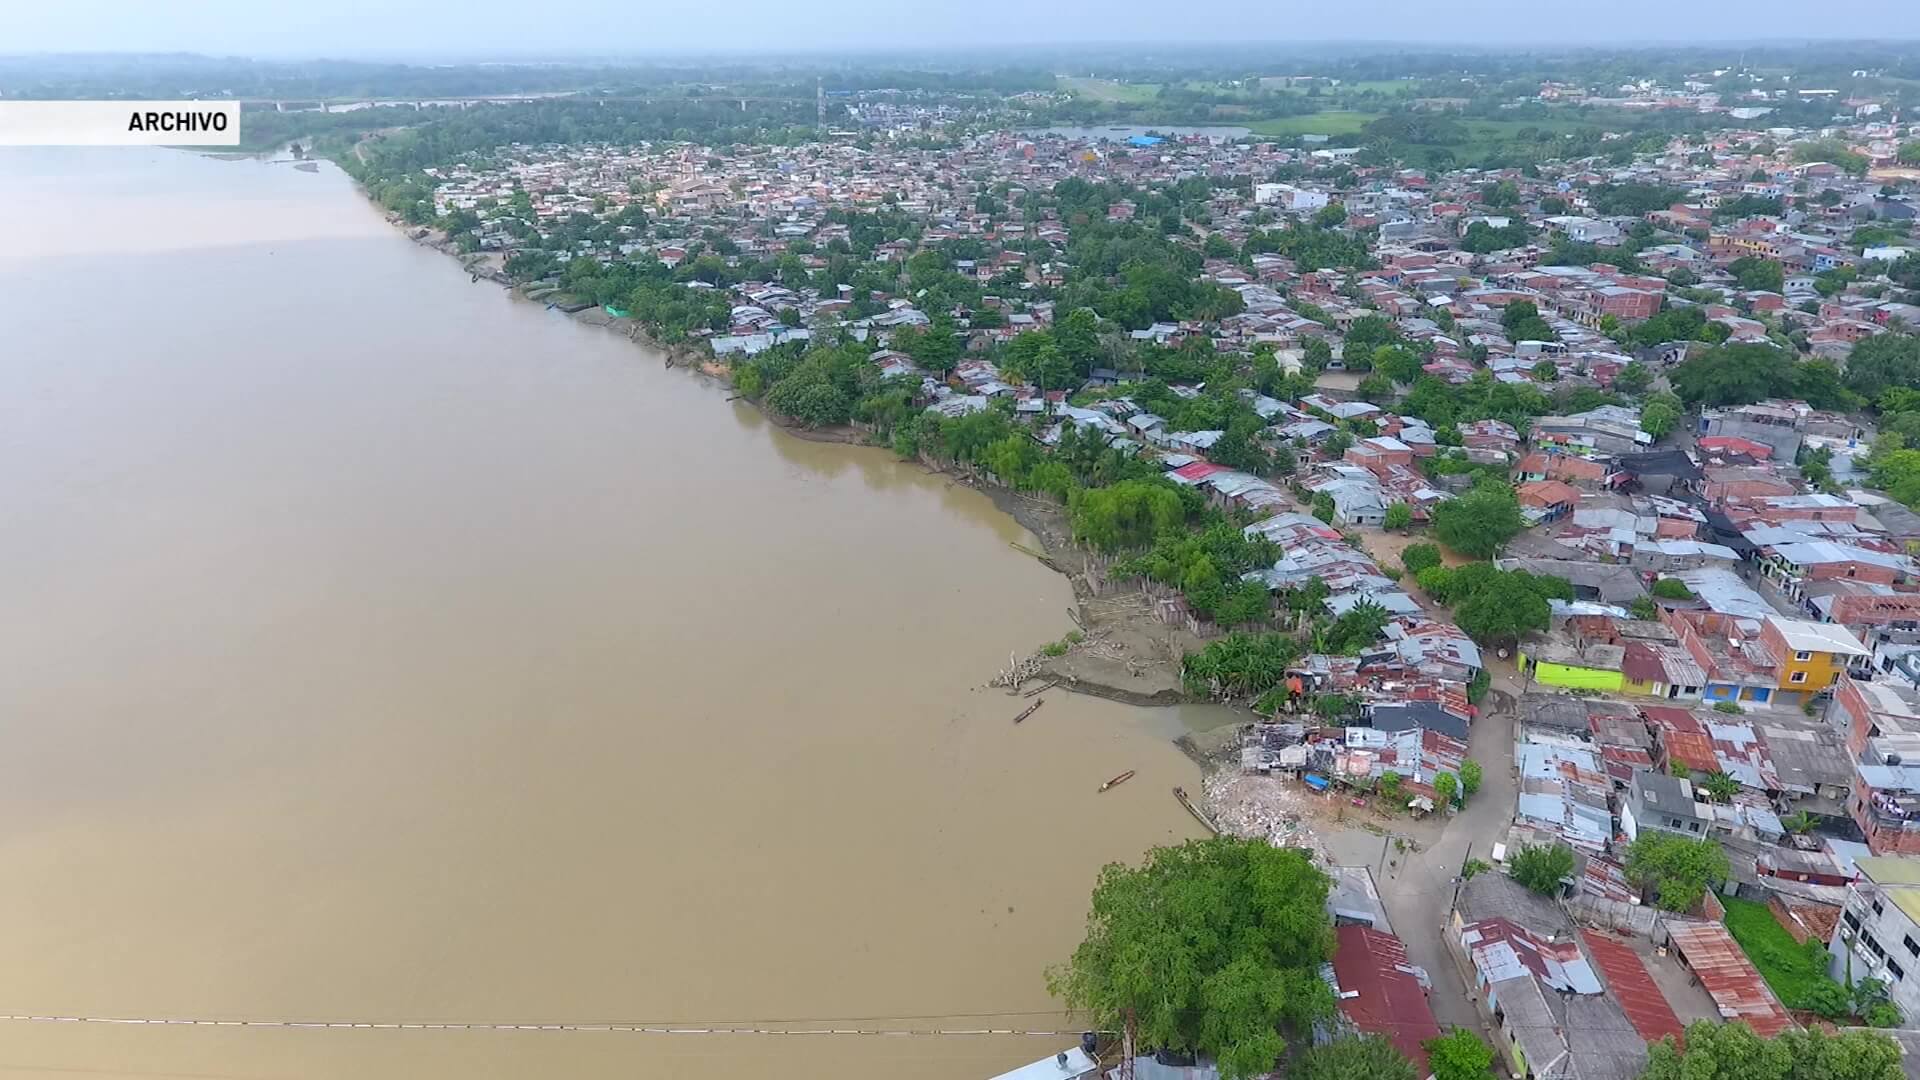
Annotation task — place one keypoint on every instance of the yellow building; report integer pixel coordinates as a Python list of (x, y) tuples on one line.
[(1809, 656)]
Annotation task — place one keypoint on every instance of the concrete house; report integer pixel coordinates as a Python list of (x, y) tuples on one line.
[(1879, 933)]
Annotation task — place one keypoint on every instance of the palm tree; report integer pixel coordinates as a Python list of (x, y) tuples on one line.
[(1720, 787), (1801, 822)]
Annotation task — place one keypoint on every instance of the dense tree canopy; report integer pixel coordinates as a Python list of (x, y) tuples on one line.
[(1678, 869), (1734, 375), (1884, 362), (1542, 869), (1756, 273), (1733, 1052), (1129, 514), (1480, 522), (1635, 200), (1212, 947), (1354, 1057)]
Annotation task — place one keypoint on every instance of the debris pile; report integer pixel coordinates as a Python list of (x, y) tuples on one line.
[(1279, 811)]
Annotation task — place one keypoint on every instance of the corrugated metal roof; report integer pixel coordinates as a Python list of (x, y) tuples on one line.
[(1639, 996), (1505, 950), (1684, 737), (1729, 977), (1390, 1001)]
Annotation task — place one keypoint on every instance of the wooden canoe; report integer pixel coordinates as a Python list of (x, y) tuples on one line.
[(1030, 710), (1181, 794), (1118, 780)]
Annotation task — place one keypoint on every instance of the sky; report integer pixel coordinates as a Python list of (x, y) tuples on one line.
[(480, 29)]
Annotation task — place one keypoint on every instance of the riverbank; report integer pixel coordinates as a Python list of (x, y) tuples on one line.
[(1122, 651)]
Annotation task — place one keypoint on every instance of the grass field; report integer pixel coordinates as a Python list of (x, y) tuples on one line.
[(1108, 90), (1324, 123), (1782, 961)]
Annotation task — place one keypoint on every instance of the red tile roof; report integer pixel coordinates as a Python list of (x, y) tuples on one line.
[(1639, 997), (1389, 1001), (1730, 978)]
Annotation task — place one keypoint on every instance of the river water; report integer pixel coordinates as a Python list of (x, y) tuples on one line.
[(379, 647)]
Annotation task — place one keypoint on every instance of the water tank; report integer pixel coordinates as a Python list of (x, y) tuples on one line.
[(1893, 759)]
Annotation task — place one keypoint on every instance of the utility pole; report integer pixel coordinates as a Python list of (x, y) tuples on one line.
[(1454, 905)]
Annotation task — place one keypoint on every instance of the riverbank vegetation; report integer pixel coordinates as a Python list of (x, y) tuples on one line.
[(1213, 947)]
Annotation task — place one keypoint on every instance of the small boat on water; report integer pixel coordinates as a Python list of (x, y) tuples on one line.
[(1118, 780), (1181, 794), (1030, 710)]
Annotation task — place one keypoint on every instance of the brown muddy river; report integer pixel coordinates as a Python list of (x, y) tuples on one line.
[(377, 647)]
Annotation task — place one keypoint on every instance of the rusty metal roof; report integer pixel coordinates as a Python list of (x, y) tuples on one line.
[(1387, 998), (1633, 987), (1684, 737), (1729, 977)]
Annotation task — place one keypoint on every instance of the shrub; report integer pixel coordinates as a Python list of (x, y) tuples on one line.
[(1417, 557), (1543, 868), (1672, 589)]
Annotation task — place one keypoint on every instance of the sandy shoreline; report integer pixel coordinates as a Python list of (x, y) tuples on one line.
[(1127, 655)]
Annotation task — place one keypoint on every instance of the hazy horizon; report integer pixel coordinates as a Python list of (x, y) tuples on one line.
[(496, 30)]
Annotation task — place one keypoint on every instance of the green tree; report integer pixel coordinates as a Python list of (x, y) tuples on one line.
[(1503, 609), (1523, 322), (1354, 1057), (1469, 778), (1679, 869), (1735, 375), (810, 399), (1634, 379), (1435, 581), (1398, 516), (1883, 362), (1542, 869), (1078, 337), (1459, 1055), (1752, 273), (1417, 557), (1658, 418), (1643, 607), (1733, 1052), (1479, 522), (1212, 947), (1446, 788), (1127, 515)]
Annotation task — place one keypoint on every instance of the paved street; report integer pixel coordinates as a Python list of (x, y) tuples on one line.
[(1418, 892)]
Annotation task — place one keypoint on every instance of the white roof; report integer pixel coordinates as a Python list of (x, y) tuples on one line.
[(1804, 636), (1078, 1064)]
